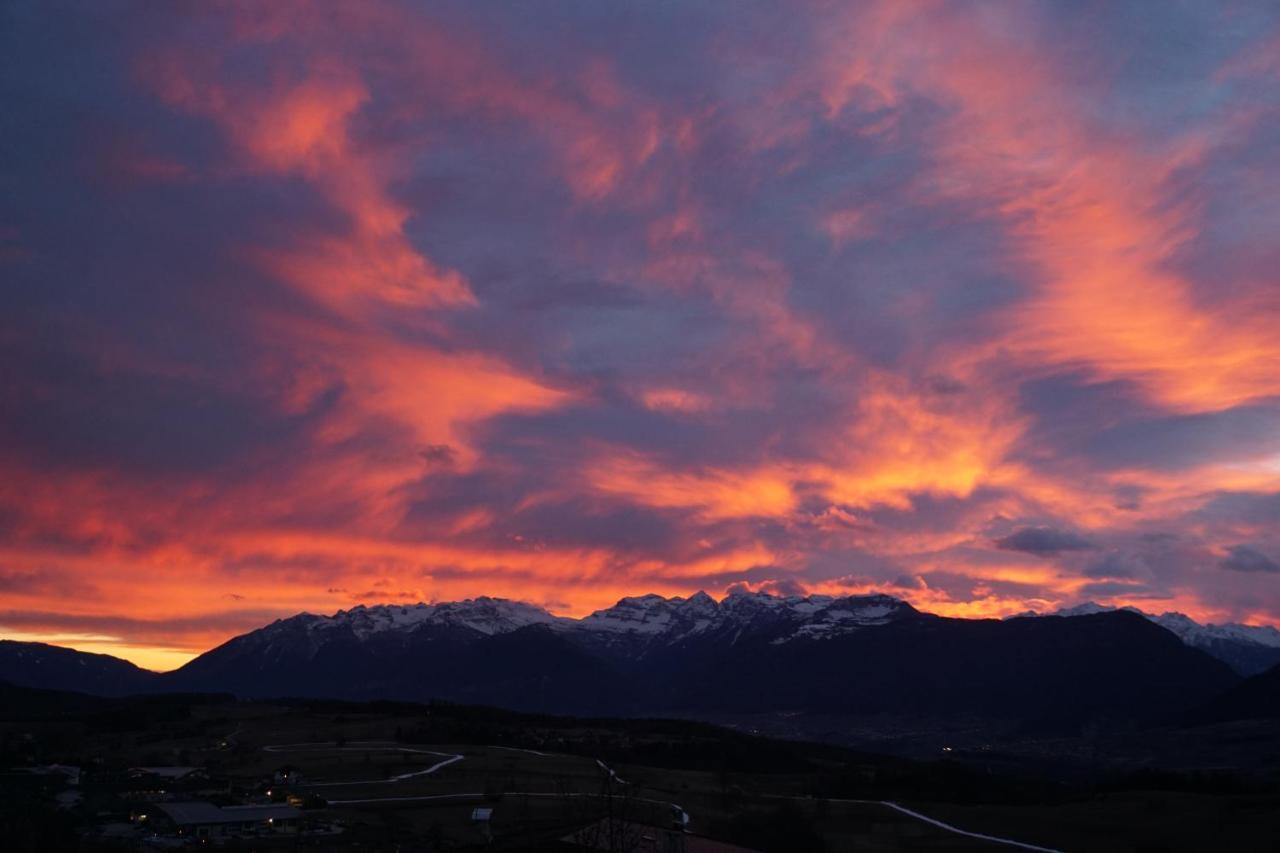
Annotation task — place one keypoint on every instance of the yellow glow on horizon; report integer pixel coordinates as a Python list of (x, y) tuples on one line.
[(155, 658)]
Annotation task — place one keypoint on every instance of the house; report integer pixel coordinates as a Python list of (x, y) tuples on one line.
[(287, 776), (482, 818), (172, 774), (615, 834), (143, 783), (205, 820), (71, 773)]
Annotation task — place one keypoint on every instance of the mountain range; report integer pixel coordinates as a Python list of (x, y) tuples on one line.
[(748, 653)]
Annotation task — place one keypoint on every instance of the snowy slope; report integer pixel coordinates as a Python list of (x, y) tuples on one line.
[(632, 626), (647, 622), (484, 615), (1193, 633)]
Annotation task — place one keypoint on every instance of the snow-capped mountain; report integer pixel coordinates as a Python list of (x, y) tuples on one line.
[(748, 653), (641, 626), (484, 615), (646, 622), (634, 624), (1195, 634), (651, 616), (1249, 649), (492, 650)]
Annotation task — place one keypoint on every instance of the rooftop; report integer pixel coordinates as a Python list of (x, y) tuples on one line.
[(186, 814)]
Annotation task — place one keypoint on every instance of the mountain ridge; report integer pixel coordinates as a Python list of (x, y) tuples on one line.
[(1248, 649), (644, 621), (749, 652)]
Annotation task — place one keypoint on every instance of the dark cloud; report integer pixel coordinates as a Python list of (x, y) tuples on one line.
[(1116, 565), (1113, 589), (48, 581), (382, 594), (1067, 410), (439, 454), (1249, 508), (1246, 558), (1043, 541), (20, 582), (1175, 442), (784, 587), (161, 630)]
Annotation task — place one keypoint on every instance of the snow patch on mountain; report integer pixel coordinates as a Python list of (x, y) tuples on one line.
[(484, 615), (1190, 630), (653, 615), (635, 626), (652, 619), (837, 616)]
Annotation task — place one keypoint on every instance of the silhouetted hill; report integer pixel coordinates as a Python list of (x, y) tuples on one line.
[(1046, 670), (28, 702), (1255, 698), (57, 668)]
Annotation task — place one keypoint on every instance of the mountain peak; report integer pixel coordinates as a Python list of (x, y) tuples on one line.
[(1085, 608), (484, 614)]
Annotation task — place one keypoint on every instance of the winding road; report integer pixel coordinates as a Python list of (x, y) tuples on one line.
[(369, 746)]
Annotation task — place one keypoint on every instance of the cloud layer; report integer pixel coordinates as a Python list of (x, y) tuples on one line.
[(973, 303)]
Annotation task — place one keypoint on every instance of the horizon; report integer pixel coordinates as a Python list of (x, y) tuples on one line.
[(168, 660), (387, 302)]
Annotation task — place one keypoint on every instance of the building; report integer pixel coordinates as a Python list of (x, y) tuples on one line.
[(614, 834), (71, 773), (287, 776), (145, 783), (483, 817), (170, 773), (205, 820)]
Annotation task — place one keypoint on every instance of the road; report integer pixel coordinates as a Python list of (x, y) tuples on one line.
[(379, 746), (369, 746)]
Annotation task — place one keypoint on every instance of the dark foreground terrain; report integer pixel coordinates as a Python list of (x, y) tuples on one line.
[(97, 774)]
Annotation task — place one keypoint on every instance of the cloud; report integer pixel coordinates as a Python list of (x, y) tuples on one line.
[(1246, 558), (1123, 591), (1043, 541), (438, 454), (1117, 565), (421, 300), (782, 587)]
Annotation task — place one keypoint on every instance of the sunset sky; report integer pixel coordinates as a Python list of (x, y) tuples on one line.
[(308, 305)]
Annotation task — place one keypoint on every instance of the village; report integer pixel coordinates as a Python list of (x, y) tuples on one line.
[(174, 772), (252, 778)]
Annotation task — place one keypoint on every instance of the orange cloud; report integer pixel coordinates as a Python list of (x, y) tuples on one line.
[(1089, 208)]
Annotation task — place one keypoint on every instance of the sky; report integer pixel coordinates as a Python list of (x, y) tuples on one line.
[(306, 305)]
